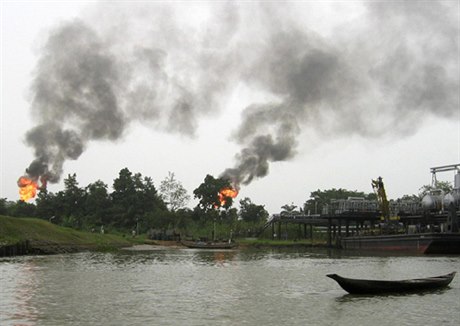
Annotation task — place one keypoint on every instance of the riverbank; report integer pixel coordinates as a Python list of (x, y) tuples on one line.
[(245, 243), (21, 236)]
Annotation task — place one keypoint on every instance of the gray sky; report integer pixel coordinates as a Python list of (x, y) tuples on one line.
[(284, 98)]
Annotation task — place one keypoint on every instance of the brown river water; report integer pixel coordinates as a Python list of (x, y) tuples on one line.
[(174, 286)]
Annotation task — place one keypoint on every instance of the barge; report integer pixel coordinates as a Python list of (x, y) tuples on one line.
[(433, 203), (422, 243), (427, 225)]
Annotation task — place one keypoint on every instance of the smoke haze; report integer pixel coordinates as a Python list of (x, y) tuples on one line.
[(168, 66)]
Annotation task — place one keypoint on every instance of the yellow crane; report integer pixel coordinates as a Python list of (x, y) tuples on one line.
[(380, 192)]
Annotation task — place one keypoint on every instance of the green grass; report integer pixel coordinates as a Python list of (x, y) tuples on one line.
[(14, 230)]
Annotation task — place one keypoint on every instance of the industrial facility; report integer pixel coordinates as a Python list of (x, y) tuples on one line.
[(427, 225)]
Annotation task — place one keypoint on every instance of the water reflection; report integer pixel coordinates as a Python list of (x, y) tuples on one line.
[(19, 278), (360, 297), (219, 258), (206, 287)]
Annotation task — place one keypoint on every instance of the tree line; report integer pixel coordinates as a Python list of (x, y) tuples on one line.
[(136, 204)]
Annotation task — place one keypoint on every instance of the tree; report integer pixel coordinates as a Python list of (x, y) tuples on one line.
[(47, 205), (319, 198), (445, 186), (289, 209), (7, 207), (22, 209), (134, 197), (74, 198), (124, 199), (173, 193), (229, 216), (208, 193), (150, 199), (250, 212), (3, 208), (97, 203)]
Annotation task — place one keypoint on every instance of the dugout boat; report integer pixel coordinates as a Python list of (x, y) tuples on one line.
[(363, 286), (209, 244)]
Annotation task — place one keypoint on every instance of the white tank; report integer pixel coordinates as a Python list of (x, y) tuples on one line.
[(457, 180), (432, 202), (452, 198)]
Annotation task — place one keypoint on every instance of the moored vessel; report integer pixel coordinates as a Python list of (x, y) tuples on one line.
[(435, 231), (423, 243), (209, 244), (364, 286)]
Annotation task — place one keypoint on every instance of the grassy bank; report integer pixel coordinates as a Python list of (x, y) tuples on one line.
[(45, 237)]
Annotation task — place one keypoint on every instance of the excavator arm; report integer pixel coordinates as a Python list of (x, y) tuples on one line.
[(379, 190)]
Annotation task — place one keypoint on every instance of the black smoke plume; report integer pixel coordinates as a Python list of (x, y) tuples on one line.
[(372, 75), (74, 99), (376, 76)]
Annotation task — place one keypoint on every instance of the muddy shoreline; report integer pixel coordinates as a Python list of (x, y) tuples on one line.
[(40, 247)]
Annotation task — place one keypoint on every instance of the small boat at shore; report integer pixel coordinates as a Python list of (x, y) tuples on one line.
[(208, 244), (362, 286)]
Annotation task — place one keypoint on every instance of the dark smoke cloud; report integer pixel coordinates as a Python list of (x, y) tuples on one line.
[(306, 75), (95, 77), (74, 99), (419, 68), (148, 63), (52, 147), (375, 77), (277, 143)]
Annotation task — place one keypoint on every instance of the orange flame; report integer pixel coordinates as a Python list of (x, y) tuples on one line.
[(226, 193), (27, 188)]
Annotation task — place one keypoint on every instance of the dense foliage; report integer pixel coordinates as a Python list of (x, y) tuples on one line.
[(208, 191), (319, 198), (135, 204), (173, 193)]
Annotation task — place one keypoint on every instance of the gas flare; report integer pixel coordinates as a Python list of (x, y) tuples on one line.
[(27, 188), (225, 193)]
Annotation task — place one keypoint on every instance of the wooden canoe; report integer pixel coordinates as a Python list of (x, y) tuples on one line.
[(360, 286), (208, 245)]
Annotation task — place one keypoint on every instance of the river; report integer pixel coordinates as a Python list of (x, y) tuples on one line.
[(239, 287)]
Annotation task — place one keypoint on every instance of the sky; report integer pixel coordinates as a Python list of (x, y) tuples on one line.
[(283, 98)]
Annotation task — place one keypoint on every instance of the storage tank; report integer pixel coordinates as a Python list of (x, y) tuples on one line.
[(452, 198), (432, 202)]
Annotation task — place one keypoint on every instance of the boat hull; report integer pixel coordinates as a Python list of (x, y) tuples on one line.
[(424, 243), (359, 286), (208, 245)]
